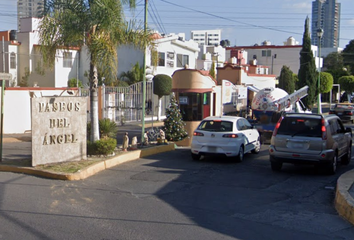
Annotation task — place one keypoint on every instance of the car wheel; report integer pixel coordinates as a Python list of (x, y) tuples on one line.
[(347, 157), (195, 157), (241, 154), (332, 167), (276, 166), (257, 148)]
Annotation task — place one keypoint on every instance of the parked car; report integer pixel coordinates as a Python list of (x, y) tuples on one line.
[(310, 139), (347, 97), (345, 111), (226, 135)]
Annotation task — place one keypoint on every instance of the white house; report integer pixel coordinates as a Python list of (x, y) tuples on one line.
[(275, 57), (173, 53), (30, 61), (209, 54)]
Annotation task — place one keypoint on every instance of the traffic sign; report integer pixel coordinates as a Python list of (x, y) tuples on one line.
[(5, 76)]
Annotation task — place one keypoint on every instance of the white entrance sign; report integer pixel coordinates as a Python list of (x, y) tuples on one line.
[(58, 129)]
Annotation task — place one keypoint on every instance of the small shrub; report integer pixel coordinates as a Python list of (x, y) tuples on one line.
[(73, 82), (108, 128), (104, 146)]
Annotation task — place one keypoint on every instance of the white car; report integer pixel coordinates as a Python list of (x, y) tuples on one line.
[(226, 135)]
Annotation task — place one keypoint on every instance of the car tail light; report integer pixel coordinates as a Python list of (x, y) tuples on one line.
[(323, 130), (348, 113), (277, 126), (331, 112), (230, 136), (198, 134)]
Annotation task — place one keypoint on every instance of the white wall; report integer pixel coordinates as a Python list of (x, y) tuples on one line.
[(17, 107), (127, 54), (259, 82)]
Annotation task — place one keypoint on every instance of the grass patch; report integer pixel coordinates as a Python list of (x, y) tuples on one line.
[(67, 167)]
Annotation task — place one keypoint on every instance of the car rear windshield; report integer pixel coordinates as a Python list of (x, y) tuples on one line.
[(216, 126), (309, 127)]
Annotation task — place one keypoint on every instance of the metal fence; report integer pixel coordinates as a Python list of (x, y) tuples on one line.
[(124, 104)]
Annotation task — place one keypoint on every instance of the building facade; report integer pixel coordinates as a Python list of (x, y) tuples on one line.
[(206, 37), (274, 56), (170, 53), (29, 8), (326, 15)]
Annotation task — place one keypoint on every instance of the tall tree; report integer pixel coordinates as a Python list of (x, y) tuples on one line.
[(286, 80), (307, 73), (97, 25), (212, 70), (333, 64), (347, 83), (348, 56)]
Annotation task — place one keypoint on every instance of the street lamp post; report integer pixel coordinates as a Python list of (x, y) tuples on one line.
[(319, 35)]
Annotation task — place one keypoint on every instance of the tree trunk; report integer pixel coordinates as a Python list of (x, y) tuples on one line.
[(158, 109), (95, 135)]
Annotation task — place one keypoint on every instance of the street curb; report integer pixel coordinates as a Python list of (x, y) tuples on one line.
[(94, 168), (344, 202)]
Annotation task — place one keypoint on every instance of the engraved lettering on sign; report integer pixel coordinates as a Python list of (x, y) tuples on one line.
[(59, 139), (59, 106), (59, 123)]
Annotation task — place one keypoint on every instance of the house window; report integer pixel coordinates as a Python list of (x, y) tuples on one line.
[(12, 60), (68, 61), (161, 59), (266, 53), (182, 60)]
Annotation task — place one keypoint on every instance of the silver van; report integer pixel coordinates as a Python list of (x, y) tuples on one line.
[(302, 138)]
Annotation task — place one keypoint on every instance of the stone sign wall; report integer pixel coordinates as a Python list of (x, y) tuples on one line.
[(58, 129)]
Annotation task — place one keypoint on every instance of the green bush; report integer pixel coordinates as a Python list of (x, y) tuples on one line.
[(72, 83), (107, 128), (162, 85), (104, 146)]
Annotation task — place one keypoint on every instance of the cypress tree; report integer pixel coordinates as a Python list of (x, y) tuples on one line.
[(307, 72), (286, 80)]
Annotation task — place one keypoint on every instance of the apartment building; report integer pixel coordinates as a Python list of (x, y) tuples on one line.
[(29, 8), (206, 37), (326, 15)]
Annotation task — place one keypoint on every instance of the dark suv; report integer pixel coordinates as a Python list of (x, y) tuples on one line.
[(316, 139)]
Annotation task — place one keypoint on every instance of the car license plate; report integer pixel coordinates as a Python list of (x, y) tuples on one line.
[(212, 149), (339, 113), (297, 145)]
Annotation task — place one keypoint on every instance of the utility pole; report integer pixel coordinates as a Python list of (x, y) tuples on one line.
[(144, 75)]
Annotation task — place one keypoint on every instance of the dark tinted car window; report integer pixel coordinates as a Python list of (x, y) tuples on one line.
[(309, 127), (215, 126)]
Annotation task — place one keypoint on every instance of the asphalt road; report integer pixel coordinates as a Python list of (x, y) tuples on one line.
[(169, 196)]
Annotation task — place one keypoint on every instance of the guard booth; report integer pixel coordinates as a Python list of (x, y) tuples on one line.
[(195, 93)]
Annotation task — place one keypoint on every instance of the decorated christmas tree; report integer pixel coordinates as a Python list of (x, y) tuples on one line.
[(174, 125)]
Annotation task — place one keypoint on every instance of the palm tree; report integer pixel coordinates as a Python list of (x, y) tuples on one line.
[(134, 75), (98, 25)]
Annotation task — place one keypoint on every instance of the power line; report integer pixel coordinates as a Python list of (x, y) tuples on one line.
[(158, 15)]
